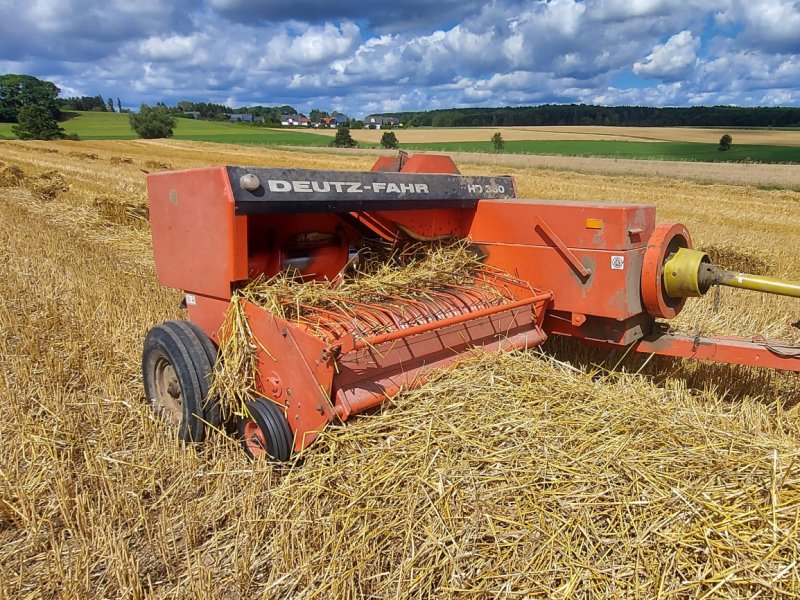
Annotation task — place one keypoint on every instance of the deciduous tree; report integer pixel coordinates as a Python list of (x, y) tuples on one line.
[(17, 91), (152, 122), (35, 122), (498, 142), (343, 139), (389, 140)]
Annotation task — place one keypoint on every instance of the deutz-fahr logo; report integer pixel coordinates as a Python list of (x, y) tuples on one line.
[(345, 187)]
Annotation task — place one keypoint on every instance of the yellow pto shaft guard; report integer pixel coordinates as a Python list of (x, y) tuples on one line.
[(689, 273)]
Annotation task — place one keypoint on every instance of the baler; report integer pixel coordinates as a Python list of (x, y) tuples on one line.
[(607, 274)]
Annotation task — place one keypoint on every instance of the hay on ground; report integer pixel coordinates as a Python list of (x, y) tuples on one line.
[(84, 155), (118, 211), (11, 175), (158, 165), (512, 475), (733, 257), (47, 185)]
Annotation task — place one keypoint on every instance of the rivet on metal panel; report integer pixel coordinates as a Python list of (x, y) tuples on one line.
[(249, 182)]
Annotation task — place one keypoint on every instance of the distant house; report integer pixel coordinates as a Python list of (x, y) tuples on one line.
[(245, 118), (338, 120), (376, 121), (258, 120), (295, 120)]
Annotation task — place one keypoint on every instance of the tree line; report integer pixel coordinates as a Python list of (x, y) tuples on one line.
[(219, 112), (90, 103), (586, 114)]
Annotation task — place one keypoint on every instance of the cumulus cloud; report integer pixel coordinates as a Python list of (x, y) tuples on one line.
[(770, 24), (361, 57), (174, 47), (313, 45), (670, 61), (384, 17)]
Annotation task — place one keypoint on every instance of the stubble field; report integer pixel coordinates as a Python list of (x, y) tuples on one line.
[(584, 132), (521, 475)]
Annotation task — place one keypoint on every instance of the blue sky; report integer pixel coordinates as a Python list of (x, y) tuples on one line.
[(360, 57)]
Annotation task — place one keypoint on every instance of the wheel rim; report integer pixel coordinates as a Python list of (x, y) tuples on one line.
[(169, 399), (254, 439)]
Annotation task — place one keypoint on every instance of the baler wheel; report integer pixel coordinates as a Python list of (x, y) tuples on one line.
[(176, 368), (205, 370), (266, 433)]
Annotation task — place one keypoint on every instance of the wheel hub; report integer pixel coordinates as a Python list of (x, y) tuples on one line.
[(254, 438), (168, 391)]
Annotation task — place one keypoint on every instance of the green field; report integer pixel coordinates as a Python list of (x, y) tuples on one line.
[(690, 151), (99, 125), (115, 126)]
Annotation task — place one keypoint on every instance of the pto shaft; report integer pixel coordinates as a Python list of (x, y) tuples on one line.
[(769, 285), (689, 273)]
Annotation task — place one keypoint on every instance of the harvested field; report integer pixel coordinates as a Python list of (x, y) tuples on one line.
[(514, 475), (618, 134)]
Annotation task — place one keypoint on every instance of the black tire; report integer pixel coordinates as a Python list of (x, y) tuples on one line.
[(267, 432), (175, 369), (204, 368)]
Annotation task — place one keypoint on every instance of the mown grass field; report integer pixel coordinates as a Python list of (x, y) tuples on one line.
[(521, 475), (115, 126)]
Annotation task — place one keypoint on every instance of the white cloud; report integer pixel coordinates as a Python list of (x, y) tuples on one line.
[(313, 46), (771, 24), (175, 47), (671, 60)]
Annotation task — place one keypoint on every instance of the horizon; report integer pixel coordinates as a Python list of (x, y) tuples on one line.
[(135, 109)]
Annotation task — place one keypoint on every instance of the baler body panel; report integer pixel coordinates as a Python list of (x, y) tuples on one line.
[(546, 243), (199, 244), (300, 191), (581, 225), (295, 371)]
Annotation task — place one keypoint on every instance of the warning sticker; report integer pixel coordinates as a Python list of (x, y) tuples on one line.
[(191, 300), (617, 263)]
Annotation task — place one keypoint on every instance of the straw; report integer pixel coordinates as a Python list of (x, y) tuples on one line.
[(379, 273)]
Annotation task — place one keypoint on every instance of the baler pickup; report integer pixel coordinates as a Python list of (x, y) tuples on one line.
[(603, 273), (325, 364)]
